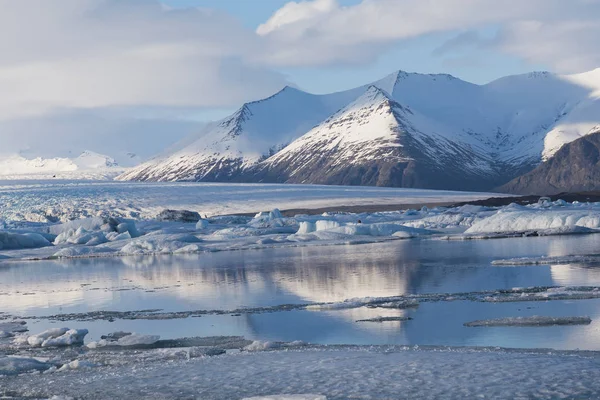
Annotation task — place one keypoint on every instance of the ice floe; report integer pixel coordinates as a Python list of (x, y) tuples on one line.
[(575, 259), (530, 321), (125, 339), (289, 397), (385, 319), (19, 365), (56, 337), (187, 232), (542, 220), (16, 241)]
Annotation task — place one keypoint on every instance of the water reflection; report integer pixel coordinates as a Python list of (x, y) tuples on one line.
[(269, 277)]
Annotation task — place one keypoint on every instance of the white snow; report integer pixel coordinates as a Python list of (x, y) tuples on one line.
[(382, 372)]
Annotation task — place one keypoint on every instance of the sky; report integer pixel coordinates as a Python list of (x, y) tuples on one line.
[(96, 73)]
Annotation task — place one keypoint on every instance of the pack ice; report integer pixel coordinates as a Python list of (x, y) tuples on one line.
[(181, 231)]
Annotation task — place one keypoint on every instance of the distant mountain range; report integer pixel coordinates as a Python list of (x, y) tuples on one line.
[(406, 130), (88, 165)]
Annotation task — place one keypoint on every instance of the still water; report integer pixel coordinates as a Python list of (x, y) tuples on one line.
[(271, 277)]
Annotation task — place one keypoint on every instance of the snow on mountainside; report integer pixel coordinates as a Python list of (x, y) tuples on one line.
[(88, 165), (226, 148), (374, 141), (470, 136)]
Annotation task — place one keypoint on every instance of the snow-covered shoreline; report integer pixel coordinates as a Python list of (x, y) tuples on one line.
[(335, 372)]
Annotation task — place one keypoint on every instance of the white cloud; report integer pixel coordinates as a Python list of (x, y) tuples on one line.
[(559, 33), (67, 64), (101, 53), (296, 13)]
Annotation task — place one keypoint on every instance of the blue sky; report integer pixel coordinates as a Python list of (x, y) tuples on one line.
[(413, 55)]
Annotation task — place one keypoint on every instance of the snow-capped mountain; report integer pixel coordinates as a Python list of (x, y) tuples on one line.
[(376, 141), (88, 165), (407, 129)]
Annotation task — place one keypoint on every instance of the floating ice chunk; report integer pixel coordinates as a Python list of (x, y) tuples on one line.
[(70, 338), (159, 243), (80, 236), (74, 252), (202, 224), (272, 219), (530, 321), (136, 340), (57, 337), (397, 305), (289, 397), (588, 259), (37, 340), (259, 345), (114, 236), (325, 225), (124, 226), (125, 339), (17, 241), (77, 364), (353, 303), (563, 220), (306, 227), (359, 229), (386, 319), (275, 214), (88, 224), (543, 294), (19, 365), (178, 216), (192, 248), (444, 221)]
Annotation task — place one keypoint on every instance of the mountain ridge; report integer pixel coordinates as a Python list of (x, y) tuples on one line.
[(485, 134)]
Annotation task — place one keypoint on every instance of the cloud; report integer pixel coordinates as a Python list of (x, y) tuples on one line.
[(556, 32), (67, 65), (464, 40), (567, 46), (106, 53), (296, 13)]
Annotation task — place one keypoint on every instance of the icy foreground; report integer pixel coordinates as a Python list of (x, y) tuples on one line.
[(376, 372), (169, 219)]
